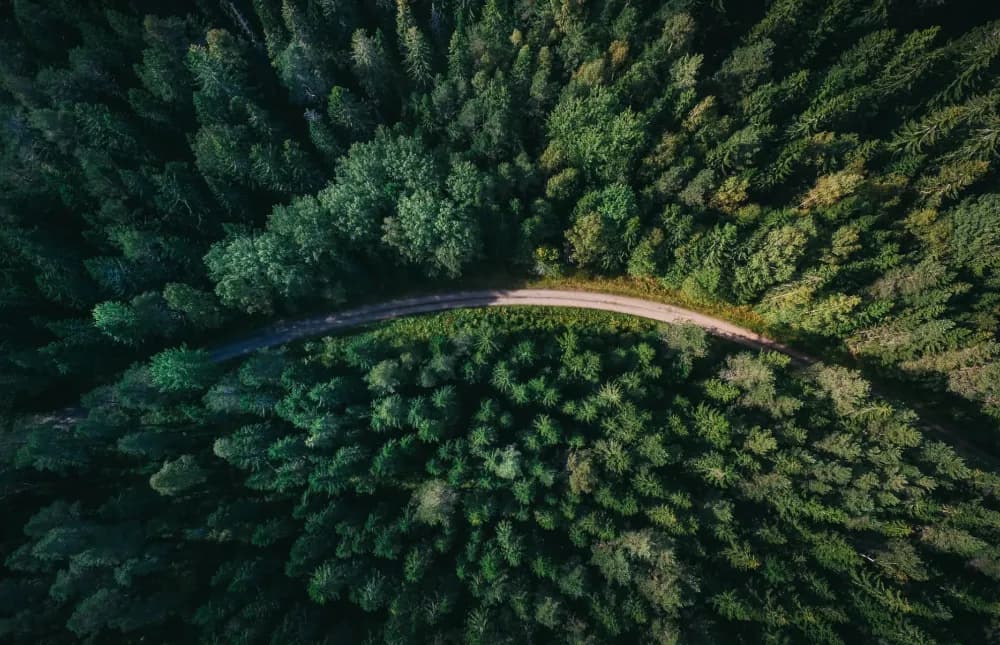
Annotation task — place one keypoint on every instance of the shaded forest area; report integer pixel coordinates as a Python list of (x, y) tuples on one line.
[(495, 477)]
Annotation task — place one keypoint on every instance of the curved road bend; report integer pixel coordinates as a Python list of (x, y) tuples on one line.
[(288, 331), (285, 332)]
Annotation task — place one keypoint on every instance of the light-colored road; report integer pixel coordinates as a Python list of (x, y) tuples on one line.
[(288, 331), (282, 333), (285, 332)]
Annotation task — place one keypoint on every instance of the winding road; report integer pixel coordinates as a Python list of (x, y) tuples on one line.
[(285, 332), (288, 331)]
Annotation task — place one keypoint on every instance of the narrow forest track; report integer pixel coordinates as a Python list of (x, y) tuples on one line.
[(289, 331), (285, 332)]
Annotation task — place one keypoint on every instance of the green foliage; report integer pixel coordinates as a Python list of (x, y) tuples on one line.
[(606, 228), (177, 476), (288, 155), (182, 370), (199, 308), (595, 134), (364, 475), (828, 166)]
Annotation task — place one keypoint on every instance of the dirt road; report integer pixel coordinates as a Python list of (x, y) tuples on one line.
[(285, 332), (282, 333), (288, 331)]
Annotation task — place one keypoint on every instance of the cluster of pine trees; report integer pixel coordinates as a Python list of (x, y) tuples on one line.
[(167, 168), (172, 171), (492, 477)]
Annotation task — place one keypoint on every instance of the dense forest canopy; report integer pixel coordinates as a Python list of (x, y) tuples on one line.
[(492, 477), (172, 173), (166, 169)]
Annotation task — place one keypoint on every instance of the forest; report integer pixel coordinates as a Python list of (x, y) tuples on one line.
[(500, 477), (173, 174)]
